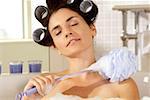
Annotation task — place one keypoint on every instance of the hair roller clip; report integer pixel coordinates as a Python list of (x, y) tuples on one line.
[(42, 15), (74, 3), (87, 7), (42, 37)]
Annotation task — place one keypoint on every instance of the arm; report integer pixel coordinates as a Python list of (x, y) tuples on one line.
[(61, 87), (40, 81)]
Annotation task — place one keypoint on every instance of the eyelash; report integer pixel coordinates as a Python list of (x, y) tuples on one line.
[(74, 24), (71, 25), (58, 33)]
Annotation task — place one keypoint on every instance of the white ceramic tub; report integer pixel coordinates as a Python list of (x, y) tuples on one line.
[(143, 82)]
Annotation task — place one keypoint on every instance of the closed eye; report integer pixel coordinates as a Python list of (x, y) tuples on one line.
[(74, 24), (58, 33)]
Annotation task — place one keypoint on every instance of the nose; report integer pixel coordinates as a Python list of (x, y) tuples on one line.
[(68, 35), (67, 32)]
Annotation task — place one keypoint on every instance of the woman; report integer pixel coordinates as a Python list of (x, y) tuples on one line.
[(71, 33)]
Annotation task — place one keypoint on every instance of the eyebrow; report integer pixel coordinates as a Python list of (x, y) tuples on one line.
[(70, 18), (66, 21)]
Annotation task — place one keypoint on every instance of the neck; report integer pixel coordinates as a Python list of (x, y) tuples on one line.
[(81, 61)]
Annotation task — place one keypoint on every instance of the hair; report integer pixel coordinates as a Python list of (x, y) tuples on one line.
[(55, 5)]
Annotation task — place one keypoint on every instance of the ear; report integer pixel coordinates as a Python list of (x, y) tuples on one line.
[(52, 46), (93, 28)]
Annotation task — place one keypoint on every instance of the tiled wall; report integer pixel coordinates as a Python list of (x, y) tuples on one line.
[(109, 26)]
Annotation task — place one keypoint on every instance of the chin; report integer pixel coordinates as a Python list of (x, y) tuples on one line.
[(76, 51), (73, 54)]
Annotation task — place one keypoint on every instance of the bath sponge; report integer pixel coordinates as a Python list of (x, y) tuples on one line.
[(118, 65)]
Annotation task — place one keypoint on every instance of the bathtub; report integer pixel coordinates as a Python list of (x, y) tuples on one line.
[(10, 85), (143, 82)]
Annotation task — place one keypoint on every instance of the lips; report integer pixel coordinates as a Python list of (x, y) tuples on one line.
[(72, 40)]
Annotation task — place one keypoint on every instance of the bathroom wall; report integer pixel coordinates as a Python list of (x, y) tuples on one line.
[(145, 49), (109, 25), (26, 50), (23, 51)]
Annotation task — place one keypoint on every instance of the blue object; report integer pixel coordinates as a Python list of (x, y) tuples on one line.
[(15, 68), (34, 67), (26, 93)]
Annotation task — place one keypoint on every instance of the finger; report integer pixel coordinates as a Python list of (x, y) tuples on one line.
[(52, 78), (40, 85), (29, 85), (32, 83), (45, 79)]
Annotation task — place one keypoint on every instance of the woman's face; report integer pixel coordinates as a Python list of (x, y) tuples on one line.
[(70, 33)]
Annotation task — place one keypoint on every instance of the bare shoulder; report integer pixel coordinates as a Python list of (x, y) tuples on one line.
[(105, 91), (128, 89)]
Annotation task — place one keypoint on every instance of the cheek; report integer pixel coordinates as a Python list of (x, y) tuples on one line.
[(87, 38), (87, 33), (85, 30), (59, 43)]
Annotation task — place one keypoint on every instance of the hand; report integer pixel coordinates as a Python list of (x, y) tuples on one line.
[(40, 83), (62, 86), (79, 81)]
